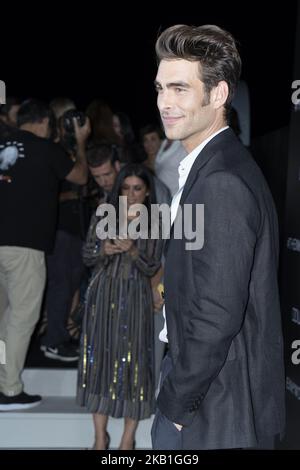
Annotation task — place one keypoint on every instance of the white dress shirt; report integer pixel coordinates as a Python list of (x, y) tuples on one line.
[(167, 161), (184, 169)]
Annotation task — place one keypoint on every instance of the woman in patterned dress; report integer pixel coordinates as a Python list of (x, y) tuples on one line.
[(116, 367)]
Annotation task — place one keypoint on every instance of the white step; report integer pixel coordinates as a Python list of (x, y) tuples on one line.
[(50, 382), (58, 422)]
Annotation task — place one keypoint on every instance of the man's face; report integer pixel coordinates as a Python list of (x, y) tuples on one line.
[(185, 108), (105, 176), (151, 143)]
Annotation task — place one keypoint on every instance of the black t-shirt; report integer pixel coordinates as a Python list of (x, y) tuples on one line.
[(69, 212), (30, 170)]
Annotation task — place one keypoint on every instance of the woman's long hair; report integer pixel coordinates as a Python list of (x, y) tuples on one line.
[(101, 117), (140, 171)]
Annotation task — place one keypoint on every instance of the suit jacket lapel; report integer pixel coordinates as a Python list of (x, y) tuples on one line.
[(204, 156)]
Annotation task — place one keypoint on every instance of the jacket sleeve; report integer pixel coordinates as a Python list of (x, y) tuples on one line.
[(92, 252), (215, 304)]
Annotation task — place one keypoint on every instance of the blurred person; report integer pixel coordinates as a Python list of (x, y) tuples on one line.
[(116, 368), (31, 167), (151, 137), (104, 167), (64, 264), (130, 150), (101, 118), (9, 111), (60, 105)]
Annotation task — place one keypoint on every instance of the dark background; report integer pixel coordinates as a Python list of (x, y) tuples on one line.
[(107, 51)]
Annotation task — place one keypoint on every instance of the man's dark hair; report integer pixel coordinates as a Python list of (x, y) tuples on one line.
[(60, 105), (149, 129), (34, 111), (214, 48), (102, 153)]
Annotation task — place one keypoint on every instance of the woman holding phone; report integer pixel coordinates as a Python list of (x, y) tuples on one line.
[(116, 368)]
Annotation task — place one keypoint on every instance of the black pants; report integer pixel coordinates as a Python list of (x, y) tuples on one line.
[(64, 271), (165, 436)]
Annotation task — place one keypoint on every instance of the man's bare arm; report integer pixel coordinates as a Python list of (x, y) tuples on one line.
[(79, 172)]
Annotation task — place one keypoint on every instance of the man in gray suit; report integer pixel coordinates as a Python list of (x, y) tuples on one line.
[(223, 377)]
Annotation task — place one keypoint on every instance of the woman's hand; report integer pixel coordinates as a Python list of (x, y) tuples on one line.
[(157, 299), (110, 248), (123, 245)]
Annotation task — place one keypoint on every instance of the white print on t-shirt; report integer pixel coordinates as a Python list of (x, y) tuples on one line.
[(9, 154)]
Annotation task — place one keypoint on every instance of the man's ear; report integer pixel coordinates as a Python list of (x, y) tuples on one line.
[(219, 94), (117, 166)]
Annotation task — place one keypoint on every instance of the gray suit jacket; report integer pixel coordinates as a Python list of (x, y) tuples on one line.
[(222, 306)]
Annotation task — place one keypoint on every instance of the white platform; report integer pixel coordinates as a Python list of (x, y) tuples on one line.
[(50, 382), (58, 422)]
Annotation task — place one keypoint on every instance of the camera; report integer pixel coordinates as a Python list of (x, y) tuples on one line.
[(69, 139)]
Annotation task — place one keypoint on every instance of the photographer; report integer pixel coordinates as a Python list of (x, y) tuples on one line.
[(64, 264), (30, 170)]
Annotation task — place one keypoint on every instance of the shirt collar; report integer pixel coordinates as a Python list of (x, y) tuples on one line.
[(186, 164)]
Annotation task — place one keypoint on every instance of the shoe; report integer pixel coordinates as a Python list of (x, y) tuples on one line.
[(107, 441), (63, 352), (75, 343), (23, 401)]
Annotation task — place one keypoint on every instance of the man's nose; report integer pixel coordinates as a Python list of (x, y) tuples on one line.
[(164, 100)]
